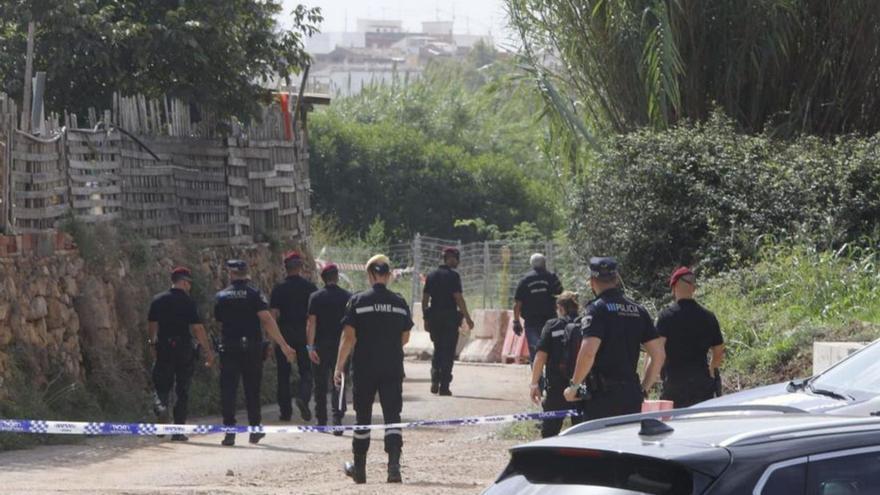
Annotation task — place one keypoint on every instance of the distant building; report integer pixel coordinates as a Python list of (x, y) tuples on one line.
[(381, 52)]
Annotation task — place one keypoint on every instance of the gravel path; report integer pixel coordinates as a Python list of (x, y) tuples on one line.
[(435, 460)]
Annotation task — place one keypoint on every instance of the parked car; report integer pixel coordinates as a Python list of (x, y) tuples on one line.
[(755, 450), (850, 387)]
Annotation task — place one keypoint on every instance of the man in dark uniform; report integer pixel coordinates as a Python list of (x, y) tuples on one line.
[(556, 356), (377, 323), (290, 306), (443, 307), (689, 333), (172, 322), (534, 298), (614, 329), (242, 310), (323, 332)]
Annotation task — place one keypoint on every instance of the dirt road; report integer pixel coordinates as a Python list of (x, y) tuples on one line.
[(449, 461)]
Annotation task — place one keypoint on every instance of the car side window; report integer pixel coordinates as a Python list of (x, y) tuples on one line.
[(857, 473), (790, 480)]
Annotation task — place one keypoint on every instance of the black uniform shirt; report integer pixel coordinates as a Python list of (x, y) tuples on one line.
[(174, 311), (441, 284), (537, 292), (291, 299), (690, 332), (622, 325), (236, 308), (379, 318), (561, 340), (328, 306)]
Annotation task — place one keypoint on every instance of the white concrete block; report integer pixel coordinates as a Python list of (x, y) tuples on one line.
[(826, 354)]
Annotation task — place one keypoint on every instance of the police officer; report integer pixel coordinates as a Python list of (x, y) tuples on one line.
[(443, 308), (556, 354), (614, 328), (689, 333), (242, 310), (534, 298), (173, 320), (377, 323), (323, 332), (290, 304)]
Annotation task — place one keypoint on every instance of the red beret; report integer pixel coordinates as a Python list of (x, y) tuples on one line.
[(292, 255), (678, 273), (451, 251), (181, 271), (329, 267)]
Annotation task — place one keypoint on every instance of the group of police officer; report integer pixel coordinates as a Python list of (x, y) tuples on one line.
[(315, 330), (588, 358)]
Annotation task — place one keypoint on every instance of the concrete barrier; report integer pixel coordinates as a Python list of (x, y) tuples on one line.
[(827, 354), (487, 338), (483, 344)]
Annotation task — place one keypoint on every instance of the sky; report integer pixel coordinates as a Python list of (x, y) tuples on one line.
[(474, 16)]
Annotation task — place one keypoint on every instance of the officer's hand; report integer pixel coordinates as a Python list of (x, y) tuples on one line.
[(571, 393), (517, 328), (470, 323), (337, 377), (209, 361), (152, 351), (313, 355), (289, 353), (535, 393)]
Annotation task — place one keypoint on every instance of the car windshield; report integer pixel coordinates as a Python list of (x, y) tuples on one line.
[(858, 376)]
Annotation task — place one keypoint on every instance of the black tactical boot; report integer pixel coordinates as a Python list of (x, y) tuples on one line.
[(444, 389), (179, 437), (357, 470), (256, 437), (435, 381), (304, 411), (394, 467), (228, 440), (337, 422)]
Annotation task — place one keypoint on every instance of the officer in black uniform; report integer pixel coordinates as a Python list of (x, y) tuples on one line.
[(443, 308), (290, 306), (377, 323), (614, 329), (173, 320), (242, 310), (556, 355), (323, 332), (689, 332), (534, 298)]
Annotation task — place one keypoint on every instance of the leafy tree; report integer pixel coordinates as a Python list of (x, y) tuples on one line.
[(209, 52), (789, 66), (458, 144)]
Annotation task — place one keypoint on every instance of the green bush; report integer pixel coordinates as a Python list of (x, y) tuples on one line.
[(773, 310), (707, 195)]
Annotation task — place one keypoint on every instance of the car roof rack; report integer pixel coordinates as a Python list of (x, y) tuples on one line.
[(844, 425), (599, 424)]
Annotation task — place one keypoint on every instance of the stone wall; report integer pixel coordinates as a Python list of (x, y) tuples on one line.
[(61, 315)]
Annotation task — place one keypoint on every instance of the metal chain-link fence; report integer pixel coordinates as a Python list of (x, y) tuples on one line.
[(489, 270)]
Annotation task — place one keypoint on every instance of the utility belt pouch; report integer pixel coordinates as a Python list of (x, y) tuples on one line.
[(596, 383)]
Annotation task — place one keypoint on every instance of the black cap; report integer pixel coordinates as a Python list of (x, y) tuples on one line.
[(603, 267), (380, 268), (238, 265)]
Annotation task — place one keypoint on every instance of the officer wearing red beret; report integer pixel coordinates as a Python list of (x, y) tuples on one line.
[(689, 332), (323, 331), (443, 308), (289, 303), (173, 320)]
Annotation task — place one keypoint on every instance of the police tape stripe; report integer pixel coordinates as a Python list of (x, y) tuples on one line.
[(150, 429)]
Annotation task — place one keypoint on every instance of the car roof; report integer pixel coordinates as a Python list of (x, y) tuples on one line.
[(704, 435)]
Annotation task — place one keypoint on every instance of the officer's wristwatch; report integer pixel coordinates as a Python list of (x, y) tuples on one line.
[(311, 348)]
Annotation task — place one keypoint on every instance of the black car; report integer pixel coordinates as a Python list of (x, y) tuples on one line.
[(722, 450)]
